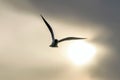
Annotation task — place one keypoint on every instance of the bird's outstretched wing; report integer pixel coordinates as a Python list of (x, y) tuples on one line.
[(49, 27), (70, 38)]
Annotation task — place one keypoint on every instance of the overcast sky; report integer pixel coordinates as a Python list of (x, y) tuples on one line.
[(24, 39)]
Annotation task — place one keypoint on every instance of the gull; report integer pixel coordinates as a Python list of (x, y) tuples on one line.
[(54, 40)]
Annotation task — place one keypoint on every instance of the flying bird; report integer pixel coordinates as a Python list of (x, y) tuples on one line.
[(54, 40)]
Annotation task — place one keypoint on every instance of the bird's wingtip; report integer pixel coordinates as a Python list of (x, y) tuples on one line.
[(84, 38), (41, 15)]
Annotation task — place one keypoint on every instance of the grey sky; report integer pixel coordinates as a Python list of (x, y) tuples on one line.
[(23, 53)]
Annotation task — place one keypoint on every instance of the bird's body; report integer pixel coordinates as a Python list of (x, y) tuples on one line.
[(56, 41)]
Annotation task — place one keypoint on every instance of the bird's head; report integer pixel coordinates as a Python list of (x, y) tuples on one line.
[(56, 41)]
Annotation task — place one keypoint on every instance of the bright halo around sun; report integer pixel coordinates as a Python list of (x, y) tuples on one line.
[(81, 52)]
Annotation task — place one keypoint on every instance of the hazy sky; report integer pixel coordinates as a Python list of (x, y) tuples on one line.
[(24, 39)]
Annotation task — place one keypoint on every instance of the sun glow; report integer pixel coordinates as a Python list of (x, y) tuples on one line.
[(81, 52)]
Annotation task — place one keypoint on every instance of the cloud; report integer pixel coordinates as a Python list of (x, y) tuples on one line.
[(99, 12)]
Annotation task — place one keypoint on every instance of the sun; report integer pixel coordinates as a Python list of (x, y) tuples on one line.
[(80, 52)]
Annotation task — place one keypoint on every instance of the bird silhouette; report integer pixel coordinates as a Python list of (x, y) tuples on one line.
[(54, 40)]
